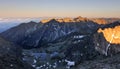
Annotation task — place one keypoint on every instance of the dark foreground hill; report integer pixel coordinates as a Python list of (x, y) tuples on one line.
[(10, 56)]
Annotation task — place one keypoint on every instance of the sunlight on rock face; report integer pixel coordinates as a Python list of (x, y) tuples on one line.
[(67, 19), (112, 35), (99, 20), (45, 20)]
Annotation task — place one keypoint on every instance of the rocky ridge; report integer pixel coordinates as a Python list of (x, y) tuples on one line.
[(36, 34)]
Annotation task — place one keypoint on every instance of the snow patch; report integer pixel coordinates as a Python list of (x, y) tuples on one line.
[(79, 36), (70, 63)]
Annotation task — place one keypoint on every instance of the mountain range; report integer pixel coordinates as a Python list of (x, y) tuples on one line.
[(7, 23), (79, 19), (35, 34), (74, 39)]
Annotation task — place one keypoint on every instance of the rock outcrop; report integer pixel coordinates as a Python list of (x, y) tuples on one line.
[(107, 39)]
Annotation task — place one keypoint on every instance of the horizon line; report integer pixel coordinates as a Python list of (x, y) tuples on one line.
[(60, 17)]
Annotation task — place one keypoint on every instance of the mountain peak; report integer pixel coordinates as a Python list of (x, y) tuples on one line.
[(79, 19), (45, 20), (53, 21), (68, 20)]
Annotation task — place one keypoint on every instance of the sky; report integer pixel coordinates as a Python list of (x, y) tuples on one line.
[(59, 8)]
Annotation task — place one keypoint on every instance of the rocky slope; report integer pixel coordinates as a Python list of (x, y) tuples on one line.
[(75, 48), (11, 56), (101, 63), (111, 41), (18, 33)]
